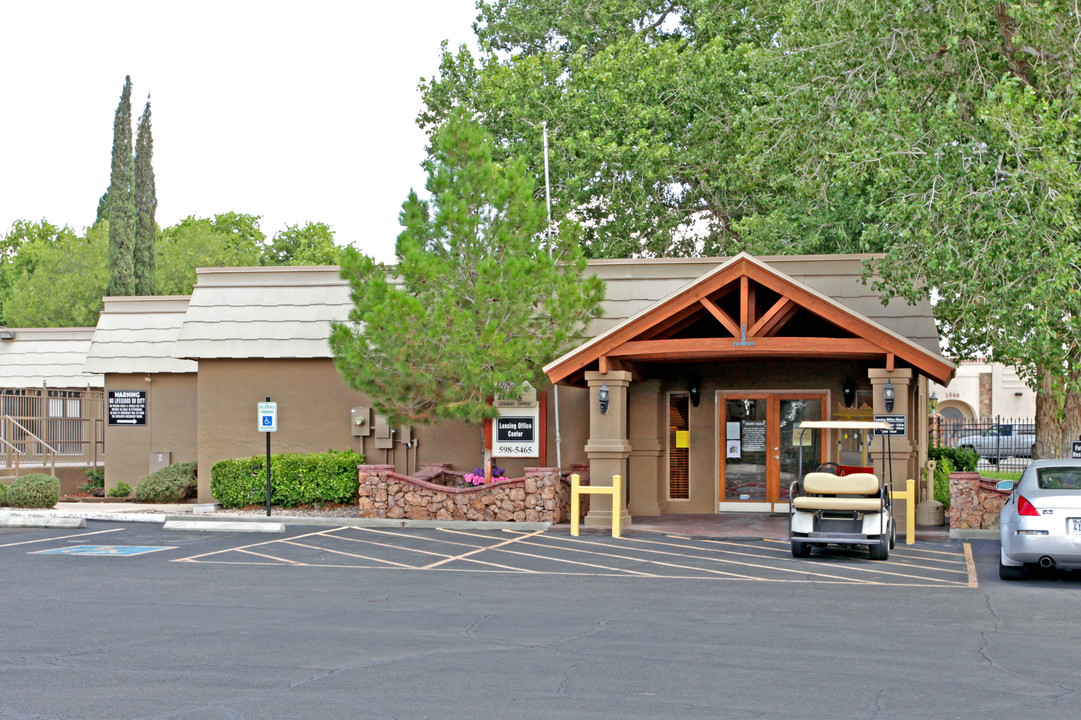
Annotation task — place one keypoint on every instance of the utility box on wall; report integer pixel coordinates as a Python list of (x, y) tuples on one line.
[(160, 459), (361, 421), (384, 434)]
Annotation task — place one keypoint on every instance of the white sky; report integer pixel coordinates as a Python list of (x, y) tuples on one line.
[(295, 111)]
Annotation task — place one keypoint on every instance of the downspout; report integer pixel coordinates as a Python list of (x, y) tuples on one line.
[(548, 199)]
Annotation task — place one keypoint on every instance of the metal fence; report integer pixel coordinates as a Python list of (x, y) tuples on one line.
[(43, 427), (1002, 443)]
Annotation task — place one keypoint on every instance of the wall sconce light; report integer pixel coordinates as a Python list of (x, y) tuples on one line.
[(7, 334), (602, 399), (888, 396), (848, 392), (696, 395), (933, 401)]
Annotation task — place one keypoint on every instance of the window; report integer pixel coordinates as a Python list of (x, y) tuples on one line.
[(678, 447)]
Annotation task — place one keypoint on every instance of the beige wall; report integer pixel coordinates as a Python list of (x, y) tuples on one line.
[(170, 426), (314, 406)]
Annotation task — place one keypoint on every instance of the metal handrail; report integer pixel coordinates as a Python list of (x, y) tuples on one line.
[(12, 447), (22, 427)]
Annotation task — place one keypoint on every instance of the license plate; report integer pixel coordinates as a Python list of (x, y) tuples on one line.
[(1075, 526)]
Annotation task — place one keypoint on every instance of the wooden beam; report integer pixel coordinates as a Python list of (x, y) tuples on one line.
[(721, 315), (707, 348), (771, 319), (889, 362), (602, 364), (744, 303)]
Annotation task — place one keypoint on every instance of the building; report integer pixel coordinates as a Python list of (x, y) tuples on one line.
[(984, 390), (707, 365)]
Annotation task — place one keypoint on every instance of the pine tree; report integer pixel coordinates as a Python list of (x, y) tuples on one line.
[(120, 204), (146, 202), (477, 301)]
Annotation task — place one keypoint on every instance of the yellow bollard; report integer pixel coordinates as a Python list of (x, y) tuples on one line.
[(909, 496), (616, 491)]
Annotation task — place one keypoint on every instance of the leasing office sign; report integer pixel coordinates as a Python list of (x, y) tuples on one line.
[(127, 407)]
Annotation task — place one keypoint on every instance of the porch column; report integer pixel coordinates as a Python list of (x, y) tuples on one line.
[(608, 447), (902, 448), (648, 428)]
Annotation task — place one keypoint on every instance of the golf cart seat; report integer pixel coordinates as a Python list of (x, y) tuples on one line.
[(859, 492)]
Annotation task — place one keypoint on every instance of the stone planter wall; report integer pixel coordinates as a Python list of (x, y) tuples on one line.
[(974, 502), (540, 496)]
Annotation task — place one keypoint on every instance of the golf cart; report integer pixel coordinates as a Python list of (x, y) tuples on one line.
[(842, 505)]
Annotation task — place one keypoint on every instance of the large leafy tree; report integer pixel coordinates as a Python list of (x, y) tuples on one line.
[(58, 281), (120, 203), (146, 204), (943, 134), (312, 244), (20, 253), (226, 240), (954, 129), (477, 302)]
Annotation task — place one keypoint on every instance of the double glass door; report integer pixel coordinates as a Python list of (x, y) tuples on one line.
[(761, 446)]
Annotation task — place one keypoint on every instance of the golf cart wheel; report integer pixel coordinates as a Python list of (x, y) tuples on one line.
[(801, 549), (880, 550)]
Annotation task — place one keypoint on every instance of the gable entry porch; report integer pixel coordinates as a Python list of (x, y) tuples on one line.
[(704, 391)]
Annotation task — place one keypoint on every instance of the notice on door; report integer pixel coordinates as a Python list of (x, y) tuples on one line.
[(127, 407), (754, 436)]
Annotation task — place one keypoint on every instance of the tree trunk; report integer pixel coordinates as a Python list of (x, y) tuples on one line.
[(1048, 416), (1071, 420)]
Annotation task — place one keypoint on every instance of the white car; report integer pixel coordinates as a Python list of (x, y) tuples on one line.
[(1040, 524)]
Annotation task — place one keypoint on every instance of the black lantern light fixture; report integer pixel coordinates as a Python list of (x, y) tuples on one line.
[(696, 395), (888, 395), (848, 392), (602, 399), (933, 402)]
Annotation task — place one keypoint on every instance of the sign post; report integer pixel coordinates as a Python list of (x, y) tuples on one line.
[(268, 423)]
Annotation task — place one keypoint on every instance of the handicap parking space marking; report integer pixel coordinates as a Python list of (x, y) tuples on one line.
[(59, 538), (544, 553), (106, 550)]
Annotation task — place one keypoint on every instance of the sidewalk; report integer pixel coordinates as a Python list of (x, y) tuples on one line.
[(724, 526)]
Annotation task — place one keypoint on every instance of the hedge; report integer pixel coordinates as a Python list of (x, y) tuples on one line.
[(949, 460), (168, 485), (329, 477), (33, 491)]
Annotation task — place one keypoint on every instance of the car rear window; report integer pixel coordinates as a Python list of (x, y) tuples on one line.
[(1058, 478)]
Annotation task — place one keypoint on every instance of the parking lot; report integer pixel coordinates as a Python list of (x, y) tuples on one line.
[(126, 620), (945, 566)]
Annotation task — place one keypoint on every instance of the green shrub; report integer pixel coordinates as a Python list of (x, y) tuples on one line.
[(329, 477), (960, 459), (122, 489), (3, 494), (33, 491), (943, 468), (95, 480), (171, 484)]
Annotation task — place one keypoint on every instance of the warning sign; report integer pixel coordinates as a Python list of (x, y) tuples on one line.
[(127, 407)]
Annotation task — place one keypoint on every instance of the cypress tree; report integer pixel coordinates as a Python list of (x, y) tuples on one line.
[(120, 205), (146, 203)]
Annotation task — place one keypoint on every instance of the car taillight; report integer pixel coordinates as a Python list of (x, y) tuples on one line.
[(1024, 507)]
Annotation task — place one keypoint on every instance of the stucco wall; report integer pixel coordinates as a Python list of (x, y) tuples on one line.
[(314, 406), (170, 426)]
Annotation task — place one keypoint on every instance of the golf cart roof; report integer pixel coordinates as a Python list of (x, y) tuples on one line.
[(844, 425)]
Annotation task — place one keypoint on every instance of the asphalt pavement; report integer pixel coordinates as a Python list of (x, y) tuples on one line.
[(349, 622)]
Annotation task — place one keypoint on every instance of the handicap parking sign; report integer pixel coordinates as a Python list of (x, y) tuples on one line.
[(268, 417)]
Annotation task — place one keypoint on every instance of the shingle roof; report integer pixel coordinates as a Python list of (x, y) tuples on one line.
[(47, 356), (272, 312), (285, 312), (138, 335), (634, 285)]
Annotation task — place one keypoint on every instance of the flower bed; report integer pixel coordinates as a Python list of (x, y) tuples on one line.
[(541, 496)]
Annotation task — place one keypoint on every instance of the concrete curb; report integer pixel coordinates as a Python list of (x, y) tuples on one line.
[(212, 526), (367, 522), (965, 534), (27, 520)]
